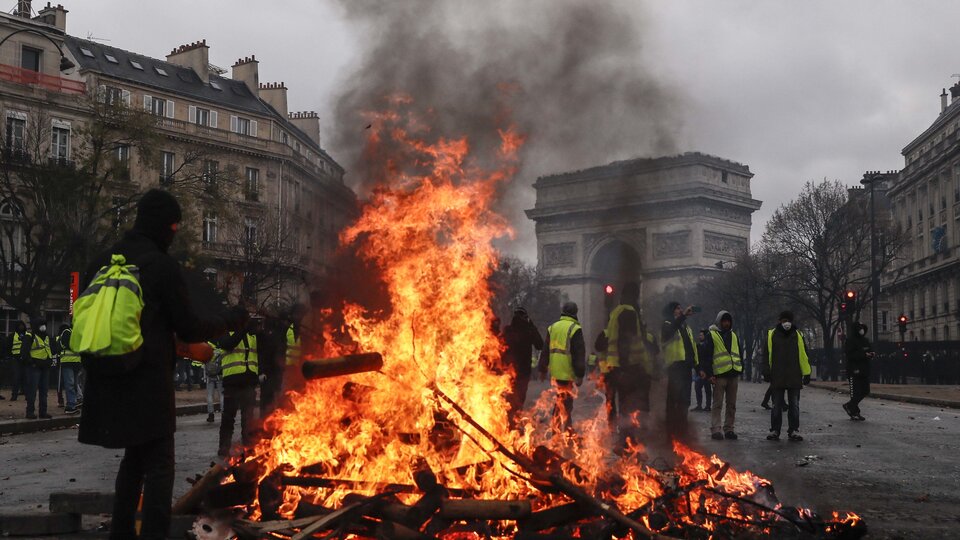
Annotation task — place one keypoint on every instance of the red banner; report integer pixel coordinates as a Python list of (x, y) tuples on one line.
[(74, 289)]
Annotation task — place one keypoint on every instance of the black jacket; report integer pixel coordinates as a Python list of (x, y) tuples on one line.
[(784, 372), (127, 409), (855, 348), (520, 338)]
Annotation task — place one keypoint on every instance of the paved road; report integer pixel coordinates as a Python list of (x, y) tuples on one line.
[(900, 470)]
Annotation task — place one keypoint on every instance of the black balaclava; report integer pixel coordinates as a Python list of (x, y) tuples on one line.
[(668, 310), (157, 211)]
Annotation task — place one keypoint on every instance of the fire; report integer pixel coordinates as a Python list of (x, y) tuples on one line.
[(429, 227)]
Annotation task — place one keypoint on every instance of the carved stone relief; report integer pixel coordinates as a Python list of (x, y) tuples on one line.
[(723, 245), (671, 245), (558, 255)]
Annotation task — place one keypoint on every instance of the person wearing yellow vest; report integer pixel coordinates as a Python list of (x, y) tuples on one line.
[(630, 363), (240, 371), (520, 338), (16, 360), (723, 364), (787, 369), (564, 357), (70, 368), (679, 351), (702, 386), (38, 359), (211, 375)]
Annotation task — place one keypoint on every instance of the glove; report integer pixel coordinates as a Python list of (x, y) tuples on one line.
[(806, 380)]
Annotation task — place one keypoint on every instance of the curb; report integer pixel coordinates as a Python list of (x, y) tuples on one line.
[(916, 400), (18, 427)]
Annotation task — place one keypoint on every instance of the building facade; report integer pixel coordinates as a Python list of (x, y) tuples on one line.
[(264, 202), (664, 222), (924, 283)]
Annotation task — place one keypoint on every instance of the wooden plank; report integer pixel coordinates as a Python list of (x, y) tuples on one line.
[(39, 524), (485, 509), (555, 517), (81, 502), (190, 501), (326, 521)]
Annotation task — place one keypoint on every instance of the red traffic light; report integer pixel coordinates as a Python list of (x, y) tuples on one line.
[(850, 295), (903, 319), (608, 289)]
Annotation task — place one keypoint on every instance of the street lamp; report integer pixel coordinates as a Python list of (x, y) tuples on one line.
[(65, 63), (870, 179)]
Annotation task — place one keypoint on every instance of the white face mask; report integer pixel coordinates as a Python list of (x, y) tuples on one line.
[(863, 332), (43, 328), (787, 325)]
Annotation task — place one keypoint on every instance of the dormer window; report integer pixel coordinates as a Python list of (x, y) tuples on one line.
[(136, 65), (87, 52), (110, 58), (160, 71)]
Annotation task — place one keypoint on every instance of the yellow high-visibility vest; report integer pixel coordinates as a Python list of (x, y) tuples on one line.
[(242, 358), (40, 349), (67, 356), (561, 357), (673, 350), (17, 346), (293, 347), (638, 351), (804, 360), (724, 360)]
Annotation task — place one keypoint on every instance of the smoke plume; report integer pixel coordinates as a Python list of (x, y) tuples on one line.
[(570, 74)]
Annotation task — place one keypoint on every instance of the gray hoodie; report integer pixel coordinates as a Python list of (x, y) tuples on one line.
[(706, 363)]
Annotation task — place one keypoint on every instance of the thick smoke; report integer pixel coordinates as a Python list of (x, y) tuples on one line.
[(571, 73)]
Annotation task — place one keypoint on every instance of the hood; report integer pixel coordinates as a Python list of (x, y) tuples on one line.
[(721, 315), (713, 328), (157, 212)]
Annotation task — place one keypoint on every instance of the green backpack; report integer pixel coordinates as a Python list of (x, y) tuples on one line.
[(106, 316)]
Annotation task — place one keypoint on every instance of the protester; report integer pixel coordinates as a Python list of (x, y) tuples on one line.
[(565, 358), (134, 408), (15, 346), (679, 358), (787, 370), (212, 373), (520, 338), (723, 364), (240, 370), (37, 357), (859, 353), (70, 368)]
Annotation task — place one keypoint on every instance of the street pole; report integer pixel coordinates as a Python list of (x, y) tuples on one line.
[(874, 275)]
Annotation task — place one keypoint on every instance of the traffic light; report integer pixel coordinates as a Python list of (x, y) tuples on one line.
[(608, 300), (902, 321), (608, 289), (848, 303)]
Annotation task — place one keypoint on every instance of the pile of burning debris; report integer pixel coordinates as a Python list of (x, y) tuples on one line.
[(698, 498)]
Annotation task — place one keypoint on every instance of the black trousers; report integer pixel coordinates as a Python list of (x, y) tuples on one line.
[(563, 410), (517, 396), (704, 390), (793, 409), (859, 389), (38, 384), (270, 392), (150, 467), (678, 397), (240, 399)]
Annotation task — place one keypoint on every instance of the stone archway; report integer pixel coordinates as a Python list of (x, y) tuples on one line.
[(613, 262)]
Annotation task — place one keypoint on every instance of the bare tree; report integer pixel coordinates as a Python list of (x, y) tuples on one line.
[(517, 284), (818, 246)]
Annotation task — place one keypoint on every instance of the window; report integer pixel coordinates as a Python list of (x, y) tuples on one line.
[(723, 177), (87, 52), (11, 239), (202, 116), (160, 71), (158, 106), (210, 168), (60, 145), (209, 233), (883, 321), (249, 234), (252, 186), (284, 138), (16, 135), (112, 95), (30, 58), (215, 85), (134, 63), (243, 126), (111, 58), (121, 156), (167, 167)]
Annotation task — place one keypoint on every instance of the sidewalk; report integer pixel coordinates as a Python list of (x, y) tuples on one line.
[(13, 413), (921, 394)]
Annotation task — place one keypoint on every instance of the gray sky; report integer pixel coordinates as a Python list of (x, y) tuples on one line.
[(796, 90)]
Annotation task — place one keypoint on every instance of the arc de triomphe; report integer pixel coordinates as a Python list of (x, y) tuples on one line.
[(661, 221)]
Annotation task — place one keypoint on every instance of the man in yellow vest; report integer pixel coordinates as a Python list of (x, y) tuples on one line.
[(564, 356), (680, 356), (631, 355), (787, 369), (70, 368), (38, 359), (723, 364), (240, 371), (16, 361)]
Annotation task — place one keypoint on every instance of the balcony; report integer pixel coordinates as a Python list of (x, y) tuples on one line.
[(47, 82), (16, 155)]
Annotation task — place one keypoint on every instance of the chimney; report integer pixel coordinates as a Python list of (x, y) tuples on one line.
[(955, 92), (247, 70), (24, 9), (275, 94), (195, 56), (943, 100), (55, 16), (307, 122)]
